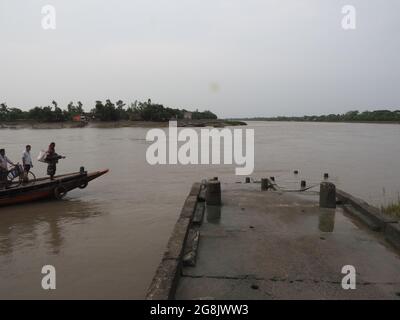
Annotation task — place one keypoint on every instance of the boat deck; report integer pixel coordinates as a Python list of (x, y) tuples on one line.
[(45, 187)]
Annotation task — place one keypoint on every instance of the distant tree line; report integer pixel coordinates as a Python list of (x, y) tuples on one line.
[(102, 111), (351, 116)]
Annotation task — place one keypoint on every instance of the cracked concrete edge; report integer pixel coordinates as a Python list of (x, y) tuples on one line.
[(191, 248), (196, 187), (202, 194), (199, 213), (370, 212), (165, 280)]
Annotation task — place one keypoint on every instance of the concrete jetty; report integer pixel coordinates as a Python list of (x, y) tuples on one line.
[(264, 243)]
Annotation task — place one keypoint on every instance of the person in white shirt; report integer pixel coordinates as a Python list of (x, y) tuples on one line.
[(4, 161), (27, 159)]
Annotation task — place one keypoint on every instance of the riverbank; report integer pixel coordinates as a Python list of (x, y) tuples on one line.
[(316, 121), (28, 124)]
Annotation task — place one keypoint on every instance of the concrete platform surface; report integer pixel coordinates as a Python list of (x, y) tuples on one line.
[(271, 245)]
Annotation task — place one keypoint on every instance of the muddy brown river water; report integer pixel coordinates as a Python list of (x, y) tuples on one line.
[(106, 241)]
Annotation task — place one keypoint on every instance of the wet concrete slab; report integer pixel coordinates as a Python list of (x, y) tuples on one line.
[(271, 245)]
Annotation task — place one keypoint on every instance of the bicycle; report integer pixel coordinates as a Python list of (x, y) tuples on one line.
[(23, 177)]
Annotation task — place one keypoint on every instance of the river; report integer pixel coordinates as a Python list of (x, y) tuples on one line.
[(106, 241)]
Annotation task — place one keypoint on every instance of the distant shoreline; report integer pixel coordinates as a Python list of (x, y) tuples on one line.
[(29, 124), (354, 116), (316, 121)]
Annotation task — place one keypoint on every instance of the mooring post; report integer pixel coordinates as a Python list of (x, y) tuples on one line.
[(327, 195), (264, 184), (213, 193)]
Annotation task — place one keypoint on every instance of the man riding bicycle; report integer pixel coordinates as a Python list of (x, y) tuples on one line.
[(4, 161)]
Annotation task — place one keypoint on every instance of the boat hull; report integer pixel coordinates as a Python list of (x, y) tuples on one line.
[(45, 188)]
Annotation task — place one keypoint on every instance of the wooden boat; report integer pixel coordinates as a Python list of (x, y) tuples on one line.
[(45, 188)]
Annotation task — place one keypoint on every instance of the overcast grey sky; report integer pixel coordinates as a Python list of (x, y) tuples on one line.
[(237, 58)]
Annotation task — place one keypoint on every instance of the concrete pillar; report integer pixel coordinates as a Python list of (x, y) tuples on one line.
[(264, 184), (247, 180), (303, 184), (327, 195), (213, 193)]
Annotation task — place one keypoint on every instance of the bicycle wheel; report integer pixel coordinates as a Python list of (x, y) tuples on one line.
[(28, 178), (31, 176), (14, 178), (13, 183)]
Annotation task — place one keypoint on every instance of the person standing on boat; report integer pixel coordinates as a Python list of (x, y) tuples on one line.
[(27, 162), (27, 159), (52, 159), (4, 161)]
